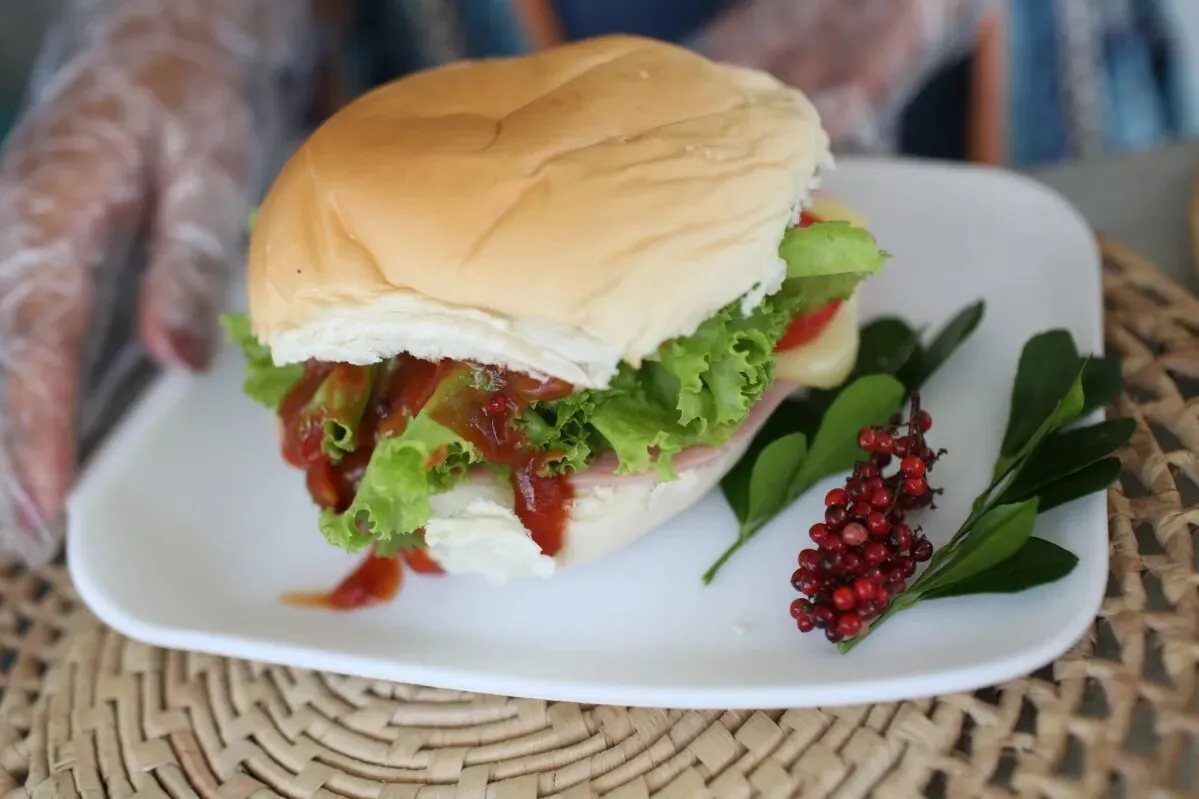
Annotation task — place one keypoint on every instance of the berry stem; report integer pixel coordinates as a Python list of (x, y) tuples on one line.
[(906, 600), (746, 533)]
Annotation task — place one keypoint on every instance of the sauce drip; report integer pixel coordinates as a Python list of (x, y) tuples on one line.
[(376, 580)]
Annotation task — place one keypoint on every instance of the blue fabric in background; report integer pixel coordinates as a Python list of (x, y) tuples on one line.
[(490, 28), (1138, 73), (1174, 55), (1036, 128), (385, 43), (1134, 101), (388, 41), (671, 20)]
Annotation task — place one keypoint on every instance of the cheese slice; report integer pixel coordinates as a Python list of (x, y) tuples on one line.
[(827, 360)]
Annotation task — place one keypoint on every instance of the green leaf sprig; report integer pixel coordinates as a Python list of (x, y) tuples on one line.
[(808, 440), (1043, 463)]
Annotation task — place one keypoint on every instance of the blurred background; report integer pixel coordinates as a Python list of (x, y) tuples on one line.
[(1017, 82)]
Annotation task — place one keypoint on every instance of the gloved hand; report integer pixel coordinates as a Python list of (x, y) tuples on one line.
[(858, 60), (143, 114)]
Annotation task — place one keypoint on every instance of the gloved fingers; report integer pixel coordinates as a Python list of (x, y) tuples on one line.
[(854, 58), (38, 456), (139, 115), (68, 177), (872, 46), (201, 216), (756, 33)]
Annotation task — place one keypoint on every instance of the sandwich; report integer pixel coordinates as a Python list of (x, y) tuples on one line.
[(513, 314)]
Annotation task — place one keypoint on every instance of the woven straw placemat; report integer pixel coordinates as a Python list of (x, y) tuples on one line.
[(88, 712)]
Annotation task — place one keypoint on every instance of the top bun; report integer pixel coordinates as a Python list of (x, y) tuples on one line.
[(554, 213)]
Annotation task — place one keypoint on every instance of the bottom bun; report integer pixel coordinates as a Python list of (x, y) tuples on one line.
[(473, 529)]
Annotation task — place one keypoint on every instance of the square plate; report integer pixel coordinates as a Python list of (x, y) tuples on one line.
[(188, 526)]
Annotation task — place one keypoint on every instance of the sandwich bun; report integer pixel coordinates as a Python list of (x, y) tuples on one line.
[(556, 213)]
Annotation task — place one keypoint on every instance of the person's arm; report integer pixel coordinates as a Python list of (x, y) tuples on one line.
[(859, 60), (155, 115)]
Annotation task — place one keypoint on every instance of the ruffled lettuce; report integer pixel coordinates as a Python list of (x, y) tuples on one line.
[(697, 390), (265, 383), (392, 503)]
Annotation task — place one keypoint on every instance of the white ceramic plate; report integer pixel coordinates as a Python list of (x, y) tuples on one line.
[(188, 526)]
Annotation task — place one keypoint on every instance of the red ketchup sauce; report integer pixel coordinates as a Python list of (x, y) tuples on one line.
[(376, 581), (807, 327), (484, 417)]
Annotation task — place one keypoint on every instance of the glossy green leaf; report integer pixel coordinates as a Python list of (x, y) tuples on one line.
[(1049, 366), (885, 346), (1065, 453), (1102, 382), (944, 344), (996, 536), (1036, 563), (774, 472), (867, 401), (760, 490), (734, 485), (1099, 476), (1067, 409), (752, 485)]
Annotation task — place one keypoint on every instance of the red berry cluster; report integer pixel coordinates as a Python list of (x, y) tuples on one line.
[(866, 550)]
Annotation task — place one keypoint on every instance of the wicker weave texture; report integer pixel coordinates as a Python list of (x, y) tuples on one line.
[(86, 712)]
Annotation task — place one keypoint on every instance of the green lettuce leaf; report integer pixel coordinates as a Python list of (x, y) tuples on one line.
[(697, 390), (265, 383), (830, 248), (392, 503), (809, 293)]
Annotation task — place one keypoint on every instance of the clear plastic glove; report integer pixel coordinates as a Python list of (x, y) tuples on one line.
[(860, 61), (147, 119)]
